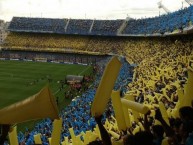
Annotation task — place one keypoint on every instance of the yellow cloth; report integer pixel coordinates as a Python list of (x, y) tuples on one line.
[(13, 136), (34, 107), (188, 91), (164, 113), (135, 106), (117, 106), (105, 88), (56, 132), (37, 139)]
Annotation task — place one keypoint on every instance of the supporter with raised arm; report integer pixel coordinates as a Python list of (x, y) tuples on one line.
[(4, 132), (104, 134), (168, 130), (186, 128)]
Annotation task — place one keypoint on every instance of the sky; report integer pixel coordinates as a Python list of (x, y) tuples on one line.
[(89, 9)]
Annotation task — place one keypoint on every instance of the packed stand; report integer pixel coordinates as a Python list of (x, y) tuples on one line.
[(22, 24), (60, 43), (106, 27), (81, 27), (48, 42), (161, 71), (65, 26), (165, 23), (105, 45)]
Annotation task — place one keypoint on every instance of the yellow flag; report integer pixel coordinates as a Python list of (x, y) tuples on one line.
[(37, 139), (126, 115), (13, 136), (164, 112), (188, 90), (129, 97), (114, 134), (135, 106), (56, 132), (117, 106), (72, 134), (105, 88), (40, 105)]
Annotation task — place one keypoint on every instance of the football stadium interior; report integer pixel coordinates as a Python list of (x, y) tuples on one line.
[(98, 82)]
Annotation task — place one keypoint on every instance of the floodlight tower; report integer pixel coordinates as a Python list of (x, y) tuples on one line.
[(160, 5), (190, 2)]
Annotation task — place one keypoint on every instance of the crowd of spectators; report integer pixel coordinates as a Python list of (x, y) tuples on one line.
[(45, 41), (77, 114), (177, 132), (160, 72), (165, 23), (161, 69), (106, 27), (38, 25), (105, 45), (76, 26), (63, 43), (65, 26)]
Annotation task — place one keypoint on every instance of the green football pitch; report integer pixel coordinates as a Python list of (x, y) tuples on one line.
[(21, 79)]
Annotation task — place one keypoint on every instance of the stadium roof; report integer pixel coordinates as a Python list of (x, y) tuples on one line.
[(90, 9)]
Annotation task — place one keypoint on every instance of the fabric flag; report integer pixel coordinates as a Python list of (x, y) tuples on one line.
[(56, 132), (13, 136), (188, 92), (37, 139), (32, 108), (106, 85), (117, 106)]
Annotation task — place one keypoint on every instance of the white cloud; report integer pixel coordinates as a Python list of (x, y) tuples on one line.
[(105, 9)]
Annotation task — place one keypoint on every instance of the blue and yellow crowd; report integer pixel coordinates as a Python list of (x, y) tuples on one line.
[(167, 23), (153, 71)]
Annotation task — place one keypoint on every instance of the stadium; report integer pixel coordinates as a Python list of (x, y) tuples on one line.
[(84, 81)]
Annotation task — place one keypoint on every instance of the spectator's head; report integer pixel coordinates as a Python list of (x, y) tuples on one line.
[(158, 131), (175, 124), (185, 128), (186, 113), (143, 138), (129, 140)]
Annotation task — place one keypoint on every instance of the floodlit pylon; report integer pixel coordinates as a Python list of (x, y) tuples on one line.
[(160, 5)]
